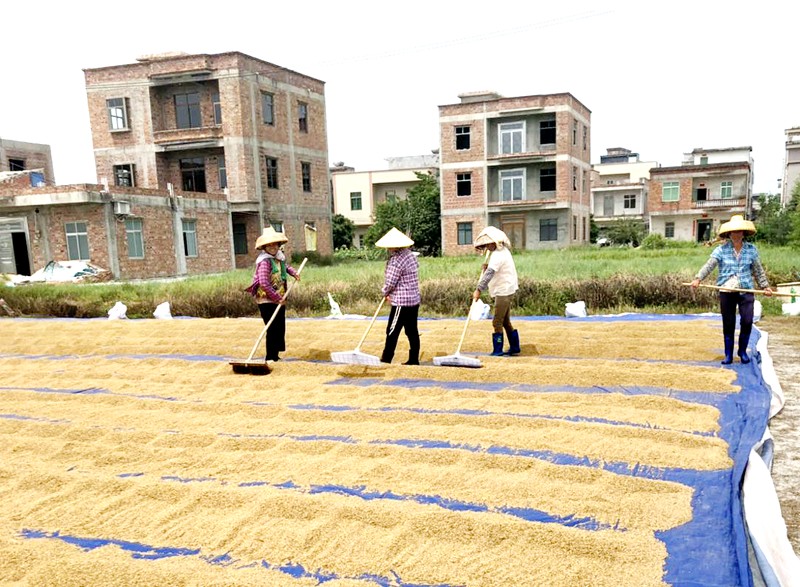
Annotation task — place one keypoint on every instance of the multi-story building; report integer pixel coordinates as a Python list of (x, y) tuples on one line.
[(356, 194), (21, 156), (791, 171), (620, 187), (222, 123), (521, 164), (689, 202)]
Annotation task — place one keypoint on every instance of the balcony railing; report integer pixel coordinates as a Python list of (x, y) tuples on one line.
[(721, 203), (187, 136), (494, 200)]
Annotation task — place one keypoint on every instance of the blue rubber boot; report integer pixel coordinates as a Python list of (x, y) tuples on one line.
[(743, 357), (728, 351), (497, 344), (513, 340)]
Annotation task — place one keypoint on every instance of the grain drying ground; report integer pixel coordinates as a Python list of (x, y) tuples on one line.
[(131, 455)]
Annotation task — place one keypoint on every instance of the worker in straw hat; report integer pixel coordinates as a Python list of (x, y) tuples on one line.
[(269, 288), (500, 276), (738, 262), (401, 290)]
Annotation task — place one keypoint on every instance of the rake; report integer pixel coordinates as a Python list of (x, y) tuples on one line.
[(457, 359), (742, 290), (356, 357), (261, 367)]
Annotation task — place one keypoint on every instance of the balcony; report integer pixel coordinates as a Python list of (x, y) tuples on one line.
[(720, 203), (544, 154), (178, 139), (495, 204)]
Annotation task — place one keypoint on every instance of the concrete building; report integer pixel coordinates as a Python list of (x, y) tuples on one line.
[(132, 232), (226, 124), (21, 156), (690, 202), (521, 164), (791, 171), (356, 194), (620, 185)]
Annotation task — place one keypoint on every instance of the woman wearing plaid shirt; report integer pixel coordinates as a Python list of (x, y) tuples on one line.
[(738, 261), (401, 290)]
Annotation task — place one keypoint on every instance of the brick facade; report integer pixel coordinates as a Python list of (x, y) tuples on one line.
[(537, 177)]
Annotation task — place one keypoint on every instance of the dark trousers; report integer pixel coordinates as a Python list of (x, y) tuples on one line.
[(405, 318), (728, 302), (502, 315), (276, 333)]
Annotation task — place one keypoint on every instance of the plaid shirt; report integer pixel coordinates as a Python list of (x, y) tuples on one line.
[(268, 284), (402, 279), (743, 266)]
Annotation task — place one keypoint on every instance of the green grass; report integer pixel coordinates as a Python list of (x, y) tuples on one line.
[(609, 280)]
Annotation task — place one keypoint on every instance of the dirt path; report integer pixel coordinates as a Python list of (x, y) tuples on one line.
[(784, 348)]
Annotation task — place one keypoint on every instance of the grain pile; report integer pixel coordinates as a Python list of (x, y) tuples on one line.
[(131, 455)]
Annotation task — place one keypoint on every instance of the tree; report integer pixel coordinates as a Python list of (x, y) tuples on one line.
[(417, 216), (793, 211), (626, 231), (343, 231), (773, 222)]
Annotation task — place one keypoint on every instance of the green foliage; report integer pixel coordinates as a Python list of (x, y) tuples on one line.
[(626, 231), (793, 211), (418, 216), (774, 223), (654, 241), (314, 258), (343, 231), (609, 280)]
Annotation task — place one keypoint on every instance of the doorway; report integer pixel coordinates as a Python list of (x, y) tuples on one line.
[(14, 255), (704, 230), (515, 230)]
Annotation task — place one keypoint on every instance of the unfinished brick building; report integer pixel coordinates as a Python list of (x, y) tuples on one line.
[(521, 164), (219, 124)]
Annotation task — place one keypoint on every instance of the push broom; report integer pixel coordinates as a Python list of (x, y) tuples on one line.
[(457, 359), (259, 367), (356, 357)]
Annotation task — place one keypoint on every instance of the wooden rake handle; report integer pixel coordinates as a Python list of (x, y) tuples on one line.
[(275, 313), (469, 312), (371, 322), (741, 290)]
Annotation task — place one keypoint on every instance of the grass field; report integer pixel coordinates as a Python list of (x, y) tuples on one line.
[(609, 280)]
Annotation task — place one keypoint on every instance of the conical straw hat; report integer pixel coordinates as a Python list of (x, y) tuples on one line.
[(394, 239), (737, 222), (270, 236)]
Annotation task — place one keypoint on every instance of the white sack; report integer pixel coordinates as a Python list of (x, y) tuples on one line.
[(576, 309), (162, 311), (479, 310), (118, 311)]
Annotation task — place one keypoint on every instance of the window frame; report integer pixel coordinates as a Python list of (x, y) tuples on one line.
[(305, 173), (222, 172), (546, 131), (77, 237), (464, 184), (189, 114), (119, 171), (464, 233), (272, 172), (216, 104), (548, 177), (356, 202), (512, 177), (672, 186), (16, 164), (189, 232), (302, 117), (548, 227), (726, 190), (268, 108), (193, 172), (511, 129), (463, 134), (669, 230), (134, 236), (117, 112), (629, 202)]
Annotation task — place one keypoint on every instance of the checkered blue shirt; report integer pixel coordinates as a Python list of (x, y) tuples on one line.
[(744, 266), (401, 281)]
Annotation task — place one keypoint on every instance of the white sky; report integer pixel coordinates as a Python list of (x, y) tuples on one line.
[(659, 81)]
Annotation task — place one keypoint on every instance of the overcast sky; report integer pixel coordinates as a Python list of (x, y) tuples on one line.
[(659, 81)]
